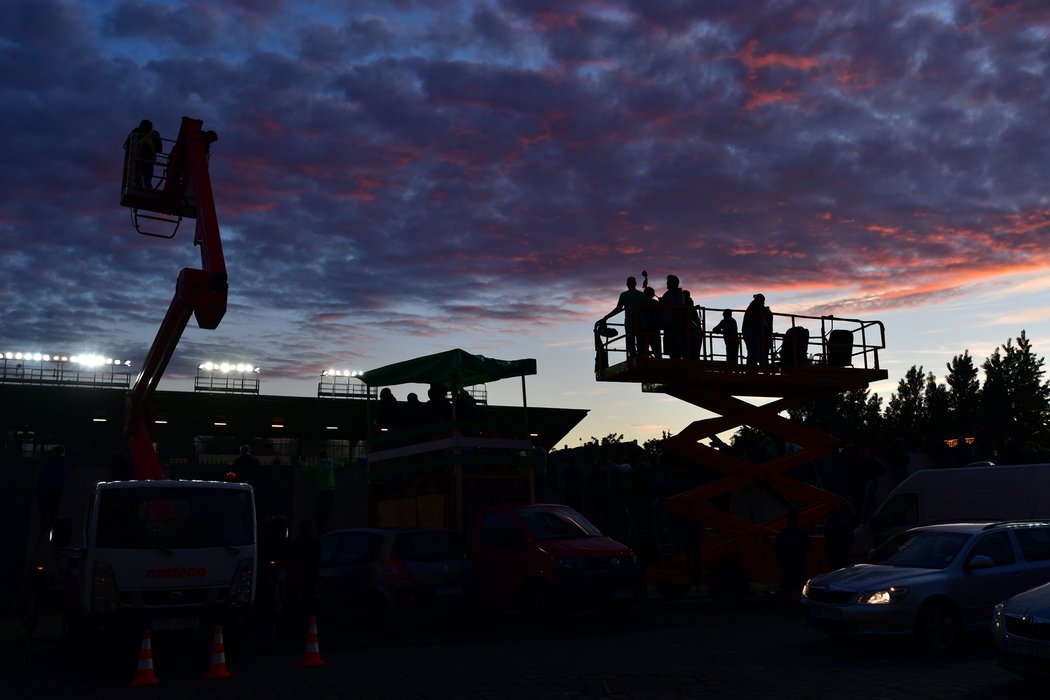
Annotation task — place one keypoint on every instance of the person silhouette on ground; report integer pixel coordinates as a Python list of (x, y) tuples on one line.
[(727, 327), (792, 546)]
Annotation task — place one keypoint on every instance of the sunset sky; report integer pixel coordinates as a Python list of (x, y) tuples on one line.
[(395, 178)]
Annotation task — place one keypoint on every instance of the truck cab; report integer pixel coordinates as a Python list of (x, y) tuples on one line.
[(171, 556), (545, 558)]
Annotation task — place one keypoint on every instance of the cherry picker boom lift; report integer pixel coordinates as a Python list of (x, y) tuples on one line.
[(184, 190)]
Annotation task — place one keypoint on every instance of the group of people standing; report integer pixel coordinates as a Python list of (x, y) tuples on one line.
[(674, 314)]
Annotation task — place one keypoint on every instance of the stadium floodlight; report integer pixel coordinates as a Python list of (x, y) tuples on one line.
[(87, 360), (340, 373), (228, 367)]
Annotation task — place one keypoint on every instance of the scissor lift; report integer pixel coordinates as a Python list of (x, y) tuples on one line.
[(705, 378)]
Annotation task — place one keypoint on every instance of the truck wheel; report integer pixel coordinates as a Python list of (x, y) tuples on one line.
[(938, 628), (672, 591)]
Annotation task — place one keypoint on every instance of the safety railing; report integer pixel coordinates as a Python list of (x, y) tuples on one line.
[(791, 340), (18, 373)]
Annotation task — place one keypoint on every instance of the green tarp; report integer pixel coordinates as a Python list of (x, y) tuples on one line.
[(451, 369)]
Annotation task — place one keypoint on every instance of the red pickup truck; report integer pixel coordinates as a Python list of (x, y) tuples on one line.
[(545, 558)]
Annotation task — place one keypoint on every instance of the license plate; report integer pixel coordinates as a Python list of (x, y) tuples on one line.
[(820, 613), (176, 623), (1028, 649), (445, 591), (621, 594)]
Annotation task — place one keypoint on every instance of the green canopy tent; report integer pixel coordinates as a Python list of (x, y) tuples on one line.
[(453, 369)]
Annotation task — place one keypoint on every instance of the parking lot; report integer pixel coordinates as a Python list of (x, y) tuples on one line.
[(676, 649)]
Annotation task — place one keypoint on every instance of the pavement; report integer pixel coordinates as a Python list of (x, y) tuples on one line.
[(691, 648)]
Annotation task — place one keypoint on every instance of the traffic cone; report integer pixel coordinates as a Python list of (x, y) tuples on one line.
[(217, 669), (312, 657), (144, 673)]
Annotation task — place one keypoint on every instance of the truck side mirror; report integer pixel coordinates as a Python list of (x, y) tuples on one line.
[(61, 532)]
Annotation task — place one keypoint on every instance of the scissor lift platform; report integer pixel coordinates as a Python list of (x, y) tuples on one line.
[(709, 380)]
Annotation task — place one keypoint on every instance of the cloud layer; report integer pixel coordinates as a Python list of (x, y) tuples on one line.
[(428, 169)]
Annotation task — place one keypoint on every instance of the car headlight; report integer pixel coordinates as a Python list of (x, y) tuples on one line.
[(805, 589), (886, 596)]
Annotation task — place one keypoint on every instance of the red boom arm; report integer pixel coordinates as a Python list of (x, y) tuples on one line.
[(200, 293)]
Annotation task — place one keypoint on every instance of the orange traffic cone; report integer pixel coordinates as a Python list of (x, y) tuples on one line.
[(144, 673), (217, 669), (312, 657)]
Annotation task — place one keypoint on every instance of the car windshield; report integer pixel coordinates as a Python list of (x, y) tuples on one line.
[(563, 523), (923, 549)]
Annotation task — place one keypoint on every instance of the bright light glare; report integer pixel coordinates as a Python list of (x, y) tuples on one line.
[(883, 597), (227, 367)]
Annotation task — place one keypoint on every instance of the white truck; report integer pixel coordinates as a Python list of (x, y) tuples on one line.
[(170, 556), (1019, 492)]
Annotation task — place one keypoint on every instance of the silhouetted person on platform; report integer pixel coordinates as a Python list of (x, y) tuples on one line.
[(388, 411), (142, 146), (727, 327), (651, 323), (630, 302), (673, 316), (414, 411), (438, 406), (694, 331), (754, 331)]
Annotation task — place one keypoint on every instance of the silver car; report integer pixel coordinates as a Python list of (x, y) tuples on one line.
[(932, 583), (1021, 631), (374, 576)]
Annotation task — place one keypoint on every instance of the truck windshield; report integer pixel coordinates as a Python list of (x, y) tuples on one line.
[(920, 550), (174, 518), (560, 523)]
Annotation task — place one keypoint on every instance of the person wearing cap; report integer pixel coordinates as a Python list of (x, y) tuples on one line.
[(727, 327), (754, 331)]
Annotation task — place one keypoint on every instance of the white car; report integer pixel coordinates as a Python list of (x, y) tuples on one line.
[(931, 583)]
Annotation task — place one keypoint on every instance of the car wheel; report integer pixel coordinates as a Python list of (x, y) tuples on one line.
[(538, 602), (376, 616), (938, 628)]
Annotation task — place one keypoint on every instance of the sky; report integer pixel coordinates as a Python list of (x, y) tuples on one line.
[(395, 178)]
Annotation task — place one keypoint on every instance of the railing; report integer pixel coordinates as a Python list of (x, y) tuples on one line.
[(692, 338), (18, 373)]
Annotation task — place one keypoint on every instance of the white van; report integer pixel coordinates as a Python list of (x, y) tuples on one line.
[(1019, 492), (170, 556)]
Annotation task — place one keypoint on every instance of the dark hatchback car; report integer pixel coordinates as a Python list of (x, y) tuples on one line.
[(374, 576)]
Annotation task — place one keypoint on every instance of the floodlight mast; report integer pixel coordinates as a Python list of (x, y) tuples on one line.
[(199, 293)]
